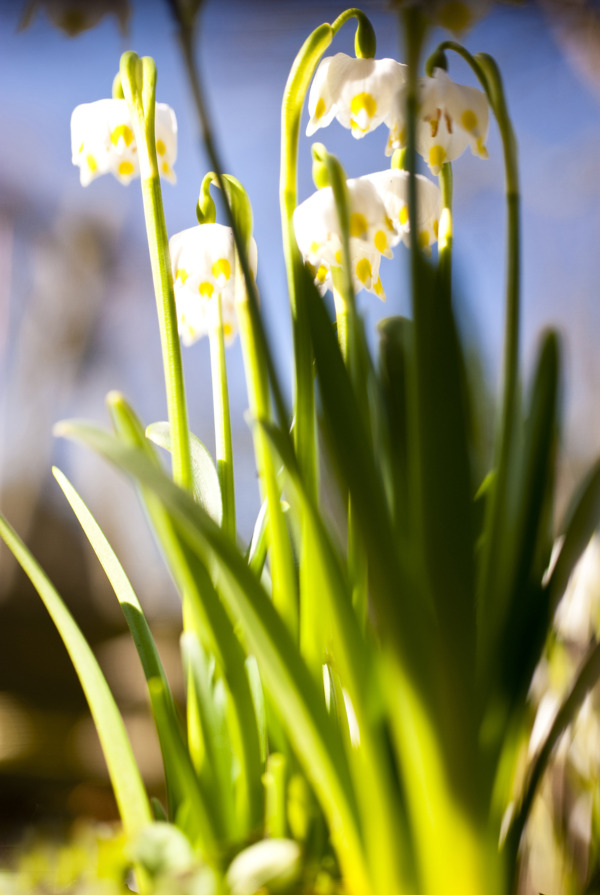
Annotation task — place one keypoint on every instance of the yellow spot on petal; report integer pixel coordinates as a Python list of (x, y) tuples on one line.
[(160, 147), (424, 239), (181, 275), (221, 268), (314, 247), (338, 256), (381, 241), (379, 289), (91, 163), (363, 102), (206, 289), (403, 215), (165, 168), (437, 156), (358, 224), (321, 274), (364, 271), (481, 149), (227, 329), (469, 120), (124, 132), (80, 150), (320, 108), (125, 169)]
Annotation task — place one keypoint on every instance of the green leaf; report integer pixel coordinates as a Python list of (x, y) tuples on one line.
[(130, 794), (286, 678), (528, 537), (132, 610), (207, 490)]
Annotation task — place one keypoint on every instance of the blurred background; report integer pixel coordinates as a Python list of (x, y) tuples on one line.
[(77, 314)]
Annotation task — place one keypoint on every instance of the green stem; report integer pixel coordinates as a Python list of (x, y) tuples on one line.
[(284, 591), (138, 82), (223, 442), (171, 351)]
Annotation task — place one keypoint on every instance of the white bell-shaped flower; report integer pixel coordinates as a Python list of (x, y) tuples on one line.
[(392, 187), (103, 141), (358, 92), (451, 117), (203, 261), (318, 235)]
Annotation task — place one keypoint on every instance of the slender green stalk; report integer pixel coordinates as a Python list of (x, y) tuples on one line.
[(171, 349), (141, 103), (223, 442), (282, 566), (296, 88)]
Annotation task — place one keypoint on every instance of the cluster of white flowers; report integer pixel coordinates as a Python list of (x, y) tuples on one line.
[(102, 141), (364, 93), (379, 220), (361, 94)]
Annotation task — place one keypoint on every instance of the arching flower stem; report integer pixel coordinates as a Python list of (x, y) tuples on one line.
[(296, 88), (140, 98)]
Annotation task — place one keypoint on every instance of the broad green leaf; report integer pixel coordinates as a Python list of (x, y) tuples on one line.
[(287, 679), (522, 632), (207, 490), (130, 794)]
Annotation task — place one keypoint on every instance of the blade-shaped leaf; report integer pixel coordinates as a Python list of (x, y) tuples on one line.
[(207, 489), (130, 794)]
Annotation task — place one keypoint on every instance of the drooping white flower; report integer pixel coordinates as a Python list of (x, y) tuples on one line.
[(203, 261), (451, 117), (392, 186), (358, 92), (318, 235), (103, 141)]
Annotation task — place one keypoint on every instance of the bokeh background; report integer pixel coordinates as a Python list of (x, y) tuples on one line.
[(77, 314)]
